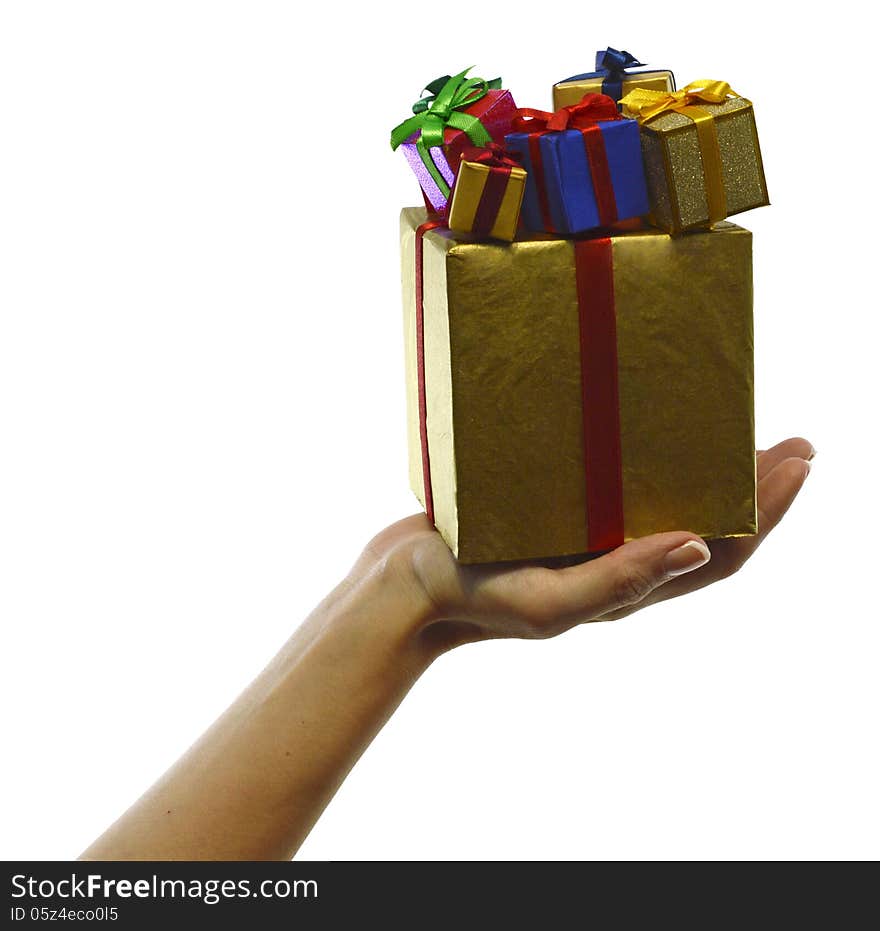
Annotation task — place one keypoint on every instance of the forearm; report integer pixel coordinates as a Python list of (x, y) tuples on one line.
[(253, 786)]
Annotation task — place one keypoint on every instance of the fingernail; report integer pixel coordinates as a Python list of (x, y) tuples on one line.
[(686, 558), (812, 452), (808, 465)]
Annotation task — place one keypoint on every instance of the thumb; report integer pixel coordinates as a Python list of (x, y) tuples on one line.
[(627, 575)]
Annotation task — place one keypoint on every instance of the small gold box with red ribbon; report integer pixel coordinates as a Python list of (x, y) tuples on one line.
[(487, 195), (701, 152), (565, 395)]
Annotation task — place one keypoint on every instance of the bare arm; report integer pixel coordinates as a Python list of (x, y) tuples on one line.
[(254, 784), (257, 780)]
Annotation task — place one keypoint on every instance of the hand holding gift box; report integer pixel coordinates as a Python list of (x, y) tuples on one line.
[(458, 112), (584, 166), (702, 157), (611, 78), (487, 195)]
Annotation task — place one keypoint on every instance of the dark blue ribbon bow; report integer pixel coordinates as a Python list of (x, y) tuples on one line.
[(610, 66), (613, 63)]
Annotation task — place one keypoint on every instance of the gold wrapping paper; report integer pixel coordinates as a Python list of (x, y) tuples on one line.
[(468, 191), (674, 167), (502, 364), (567, 93)]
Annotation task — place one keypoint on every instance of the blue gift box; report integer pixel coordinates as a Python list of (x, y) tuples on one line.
[(561, 187)]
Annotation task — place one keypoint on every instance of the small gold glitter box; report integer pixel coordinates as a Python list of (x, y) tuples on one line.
[(678, 165)]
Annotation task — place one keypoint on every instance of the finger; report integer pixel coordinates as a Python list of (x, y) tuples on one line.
[(776, 493), (625, 576), (796, 447)]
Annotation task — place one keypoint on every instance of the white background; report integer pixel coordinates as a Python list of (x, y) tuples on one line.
[(202, 421)]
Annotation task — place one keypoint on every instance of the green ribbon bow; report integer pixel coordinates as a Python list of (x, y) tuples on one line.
[(433, 113)]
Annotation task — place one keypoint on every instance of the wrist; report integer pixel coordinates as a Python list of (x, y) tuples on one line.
[(422, 585), (408, 578), (383, 599)]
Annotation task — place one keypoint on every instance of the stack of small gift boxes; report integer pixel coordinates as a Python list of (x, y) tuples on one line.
[(578, 314)]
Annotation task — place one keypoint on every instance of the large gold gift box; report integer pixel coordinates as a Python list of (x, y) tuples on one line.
[(495, 391)]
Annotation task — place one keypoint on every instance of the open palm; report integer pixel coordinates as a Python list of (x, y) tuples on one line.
[(542, 599)]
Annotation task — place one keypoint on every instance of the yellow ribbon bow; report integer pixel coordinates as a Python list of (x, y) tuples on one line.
[(644, 105)]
